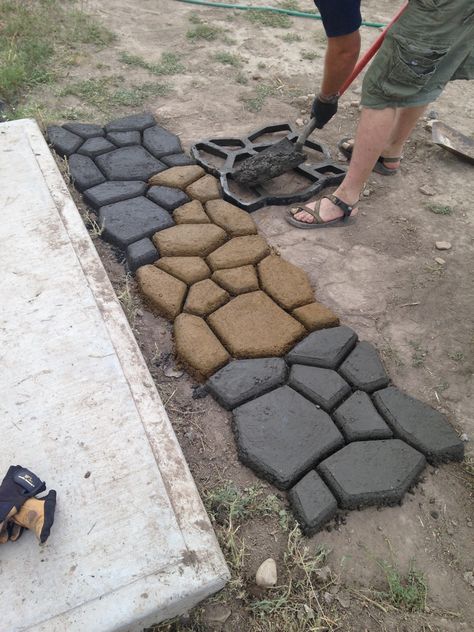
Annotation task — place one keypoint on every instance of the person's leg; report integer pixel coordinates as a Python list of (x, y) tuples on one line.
[(341, 56), (379, 132)]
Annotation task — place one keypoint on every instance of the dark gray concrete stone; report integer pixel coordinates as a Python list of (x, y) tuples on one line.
[(141, 253), (132, 220), (129, 163), (178, 160), (322, 386), (326, 348), (312, 502), (84, 130), (63, 142), (363, 368), (133, 123), (111, 192), (358, 419), (94, 147), (242, 380), (125, 139), (421, 426), (367, 473), (160, 142), (84, 172), (281, 435), (167, 197)]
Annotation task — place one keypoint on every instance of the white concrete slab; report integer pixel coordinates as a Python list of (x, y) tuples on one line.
[(131, 544)]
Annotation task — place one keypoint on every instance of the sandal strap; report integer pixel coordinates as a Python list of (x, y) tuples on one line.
[(387, 159), (346, 208), (314, 213)]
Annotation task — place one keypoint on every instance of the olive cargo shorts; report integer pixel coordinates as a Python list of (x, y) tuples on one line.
[(431, 44)]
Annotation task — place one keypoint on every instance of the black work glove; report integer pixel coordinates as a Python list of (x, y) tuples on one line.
[(18, 485), (323, 110)]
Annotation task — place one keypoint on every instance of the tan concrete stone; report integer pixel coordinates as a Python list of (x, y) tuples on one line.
[(197, 347), (285, 283), (188, 269), (315, 316), (253, 326), (205, 297), (177, 177), (161, 290), (189, 240), (237, 280), (191, 213), (232, 219), (204, 189), (239, 251)]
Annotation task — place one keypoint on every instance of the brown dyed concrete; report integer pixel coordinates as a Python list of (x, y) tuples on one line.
[(164, 292)]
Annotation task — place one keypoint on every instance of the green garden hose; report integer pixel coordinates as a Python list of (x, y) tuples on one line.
[(245, 7)]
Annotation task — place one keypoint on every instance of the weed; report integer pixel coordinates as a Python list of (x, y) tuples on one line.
[(95, 228), (129, 302), (440, 209), (269, 18), (292, 5), (457, 356), (107, 92), (256, 102), (241, 78), (407, 591), (229, 59), (229, 41), (309, 55), (31, 42), (195, 19), (291, 37), (204, 31), (419, 354), (169, 63)]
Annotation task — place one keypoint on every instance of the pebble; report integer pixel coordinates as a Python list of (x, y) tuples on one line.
[(440, 261), (299, 122), (426, 190), (266, 575), (344, 600), (464, 437), (443, 245), (354, 104), (217, 613), (328, 598), (434, 514), (367, 191)]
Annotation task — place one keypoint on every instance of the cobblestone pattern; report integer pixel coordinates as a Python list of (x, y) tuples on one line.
[(323, 421)]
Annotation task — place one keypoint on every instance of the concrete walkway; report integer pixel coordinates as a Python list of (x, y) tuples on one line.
[(131, 544)]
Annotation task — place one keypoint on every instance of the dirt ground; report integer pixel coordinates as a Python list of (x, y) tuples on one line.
[(380, 275)]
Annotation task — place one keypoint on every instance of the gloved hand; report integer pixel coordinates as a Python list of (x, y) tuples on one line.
[(324, 109), (18, 485), (36, 514)]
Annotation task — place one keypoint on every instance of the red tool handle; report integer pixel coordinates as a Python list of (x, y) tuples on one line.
[(364, 60)]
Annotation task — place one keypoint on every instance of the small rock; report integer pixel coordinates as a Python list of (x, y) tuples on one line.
[(440, 261), (464, 437), (469, 578), (434, 514), (341, 157), (432, 501), (217, 613), (432, 115), (328, 598), (354, 104), (426, 190), (367, 191), (170, 370), (266, 575), (443, 245), (299, 122), (323, 573), (256, 77)]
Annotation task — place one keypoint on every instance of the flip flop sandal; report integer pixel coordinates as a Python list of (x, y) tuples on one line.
[(319, 222), (379, 165)]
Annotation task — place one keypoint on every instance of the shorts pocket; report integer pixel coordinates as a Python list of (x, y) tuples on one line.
[(411, 67)]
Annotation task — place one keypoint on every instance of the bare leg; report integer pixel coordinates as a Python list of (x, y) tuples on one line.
[(341, 56), (379, 132)]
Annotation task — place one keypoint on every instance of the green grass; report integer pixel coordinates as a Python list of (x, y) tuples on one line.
[(107, 92), (440, 209), (223, 57), (169, 63), (405, 591), (292, 5), (255, 102), (309, 55), (289, 38), (419, 355), (33, 45), (203, 31), (268, 18), (241, 78)]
